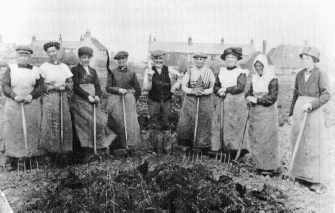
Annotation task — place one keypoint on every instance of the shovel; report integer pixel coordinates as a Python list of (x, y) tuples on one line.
[(125, 151), (24, 125), (297, 143), (96, 156)]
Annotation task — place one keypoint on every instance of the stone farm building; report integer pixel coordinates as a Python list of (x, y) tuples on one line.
[(69, 50), (179, 54)]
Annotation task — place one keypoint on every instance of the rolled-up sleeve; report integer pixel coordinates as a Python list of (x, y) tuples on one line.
[(185, 83), (147, 83), (324, 91), (136, 86), (209, 91)]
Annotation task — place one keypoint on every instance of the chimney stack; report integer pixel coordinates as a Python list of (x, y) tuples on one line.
[(154, 38), (222, 40), (306, 43), (60, 38), (264, 47), (81, 38), (190, 40), (33, 38), (252, 41), (88, 33)]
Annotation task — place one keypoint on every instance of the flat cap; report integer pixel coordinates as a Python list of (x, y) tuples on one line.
[(199, 55), (51, 44), (236, 51), (85, 51), (158, 53), (121, 54), (24, 49), (311, 51)]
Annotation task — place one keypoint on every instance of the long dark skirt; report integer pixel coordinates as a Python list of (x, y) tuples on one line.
[(51, 124), (116, 121), (82, 117)]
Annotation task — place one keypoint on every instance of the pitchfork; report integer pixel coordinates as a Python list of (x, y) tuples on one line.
[(195, 154)]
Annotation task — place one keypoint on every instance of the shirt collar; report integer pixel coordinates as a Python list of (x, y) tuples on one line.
[(27, 66), (231, 68), (51, 62), (309, 72), (123, 69)]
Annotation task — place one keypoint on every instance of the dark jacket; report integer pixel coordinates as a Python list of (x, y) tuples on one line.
[(81, 77), (316, 86)]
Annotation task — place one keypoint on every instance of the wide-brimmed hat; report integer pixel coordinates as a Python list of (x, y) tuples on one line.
[(85, 51), (200, 55), (311, 51), (51, 44), (24, 49), (158, 53), (121, 54), (236, 51)]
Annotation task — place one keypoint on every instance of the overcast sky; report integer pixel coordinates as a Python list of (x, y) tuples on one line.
[(127, 24)]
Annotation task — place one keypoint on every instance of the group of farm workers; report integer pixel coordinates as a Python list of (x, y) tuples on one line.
[(53, 110)]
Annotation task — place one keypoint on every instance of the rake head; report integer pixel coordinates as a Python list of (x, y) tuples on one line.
[(235, 167)]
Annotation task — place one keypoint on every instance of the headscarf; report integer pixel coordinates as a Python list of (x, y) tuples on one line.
[(261, 83)]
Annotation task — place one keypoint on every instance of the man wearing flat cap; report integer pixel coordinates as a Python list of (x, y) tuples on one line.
[(87, 92), (158, 82), (125, 89), (22, 84)]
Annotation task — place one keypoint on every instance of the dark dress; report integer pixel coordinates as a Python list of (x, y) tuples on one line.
[(82, 111)]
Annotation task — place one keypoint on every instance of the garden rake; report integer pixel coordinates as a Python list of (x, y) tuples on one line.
[(235, 164), (195, 154)]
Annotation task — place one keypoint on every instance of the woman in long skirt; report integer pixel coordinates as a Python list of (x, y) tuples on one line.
[(84, 103), (311, 92), (197, 85), (229, 86), (263, 118), (125, 90), (22, 86), (56, 118)]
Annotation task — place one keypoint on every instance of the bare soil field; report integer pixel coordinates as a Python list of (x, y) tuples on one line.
[(169, 183)]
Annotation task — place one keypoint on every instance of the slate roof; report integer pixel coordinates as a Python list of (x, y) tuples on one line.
[(207, 48)]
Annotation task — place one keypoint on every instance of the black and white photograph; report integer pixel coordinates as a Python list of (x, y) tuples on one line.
[(167, 106)]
